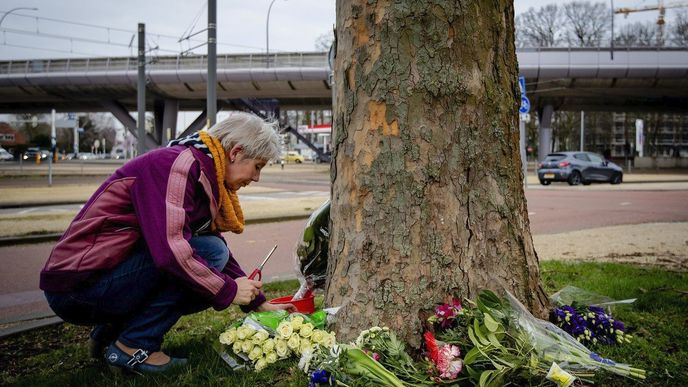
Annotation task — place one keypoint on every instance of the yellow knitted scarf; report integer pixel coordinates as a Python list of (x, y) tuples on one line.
[(229, 217)]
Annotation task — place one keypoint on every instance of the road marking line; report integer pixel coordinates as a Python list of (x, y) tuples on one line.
[(531, 213), (625, 203)]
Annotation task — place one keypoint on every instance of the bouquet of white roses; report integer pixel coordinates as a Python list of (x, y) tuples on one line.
[(261, 345)]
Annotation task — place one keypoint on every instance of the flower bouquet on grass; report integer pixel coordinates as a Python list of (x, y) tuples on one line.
[(262, 338), (507, 343), (377, 357), (582, 314)]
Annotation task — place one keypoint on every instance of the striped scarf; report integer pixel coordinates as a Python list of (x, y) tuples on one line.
[(230, 216)]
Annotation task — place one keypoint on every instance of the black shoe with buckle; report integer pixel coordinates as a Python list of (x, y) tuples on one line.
[(119, 360)]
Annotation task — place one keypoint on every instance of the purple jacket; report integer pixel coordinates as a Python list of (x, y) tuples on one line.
[(163, 198)]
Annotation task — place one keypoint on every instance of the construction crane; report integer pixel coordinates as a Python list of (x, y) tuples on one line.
[(661, 7)]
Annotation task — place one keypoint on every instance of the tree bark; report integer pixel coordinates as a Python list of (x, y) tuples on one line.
[(427, 193)]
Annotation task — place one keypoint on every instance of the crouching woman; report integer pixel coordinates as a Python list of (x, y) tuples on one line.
[(147, 248)]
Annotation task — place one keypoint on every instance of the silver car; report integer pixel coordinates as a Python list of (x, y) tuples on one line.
[(578, 168)]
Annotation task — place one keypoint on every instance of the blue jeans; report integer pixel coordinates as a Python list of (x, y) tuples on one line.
[(135, 302)]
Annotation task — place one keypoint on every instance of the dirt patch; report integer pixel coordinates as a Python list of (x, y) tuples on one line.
[(653, 244)]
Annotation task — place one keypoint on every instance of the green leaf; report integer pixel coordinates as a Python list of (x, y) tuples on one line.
[(479, 333), (490, 323), (475, 375), (471, 336), (494, 341), (488, 299), (484, 377), (471, 356)]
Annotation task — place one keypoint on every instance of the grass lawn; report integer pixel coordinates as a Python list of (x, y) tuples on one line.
[(57, 355)]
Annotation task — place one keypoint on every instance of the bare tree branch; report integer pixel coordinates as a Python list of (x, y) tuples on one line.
[(588, 23), (637, 34), (543, 27), (679, 30)]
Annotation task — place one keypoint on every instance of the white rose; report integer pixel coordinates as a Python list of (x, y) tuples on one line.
[(228, 337), (281, 348), (306, 330), (284, 329), (259, 337), (246, 346), (296, 322), (271, 357), (261, 364), (318, 336), (236, 347), (244, 332), (268, 346), (294, 342), (255, 353), (329, 340)]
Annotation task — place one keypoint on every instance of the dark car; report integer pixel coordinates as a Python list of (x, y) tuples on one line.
[(32, 153), (578, 167)]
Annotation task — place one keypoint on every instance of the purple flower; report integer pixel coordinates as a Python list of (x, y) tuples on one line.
[(320, 377), (618, 325), (596, 309)]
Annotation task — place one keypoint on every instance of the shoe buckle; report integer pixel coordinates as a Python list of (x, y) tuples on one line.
[(138, 357)]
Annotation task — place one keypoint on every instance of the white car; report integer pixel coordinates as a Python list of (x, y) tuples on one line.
[(5, 155)]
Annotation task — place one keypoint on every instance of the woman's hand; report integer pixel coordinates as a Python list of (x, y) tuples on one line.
[(266, 307), (247, 290)]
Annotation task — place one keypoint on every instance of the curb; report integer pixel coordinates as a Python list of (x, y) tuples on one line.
[(27, 325), (39, 204), (40, 238)]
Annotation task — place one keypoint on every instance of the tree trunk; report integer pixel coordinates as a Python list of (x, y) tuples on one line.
[(427, 197)]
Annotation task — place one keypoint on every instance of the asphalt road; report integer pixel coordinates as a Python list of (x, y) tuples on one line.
[(550, 211)]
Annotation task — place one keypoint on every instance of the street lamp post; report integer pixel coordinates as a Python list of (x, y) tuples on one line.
[(267, 35), (15, 9)]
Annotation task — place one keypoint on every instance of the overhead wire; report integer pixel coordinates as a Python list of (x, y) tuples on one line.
[(110, 28), (84, 54)]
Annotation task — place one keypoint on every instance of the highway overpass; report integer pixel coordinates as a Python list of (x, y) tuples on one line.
[(641, 79)]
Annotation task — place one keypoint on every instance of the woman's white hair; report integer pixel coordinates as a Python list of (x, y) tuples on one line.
[(258, 138)]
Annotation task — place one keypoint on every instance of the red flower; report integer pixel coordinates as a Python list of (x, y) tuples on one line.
[(431, 344)]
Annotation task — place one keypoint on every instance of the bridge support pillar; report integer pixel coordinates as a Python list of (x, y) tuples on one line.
[(166, 120), (123, 116), (545, 131)]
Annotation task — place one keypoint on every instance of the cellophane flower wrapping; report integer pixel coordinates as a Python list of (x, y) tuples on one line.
[(569, 295), (312, 252), (552, 344)]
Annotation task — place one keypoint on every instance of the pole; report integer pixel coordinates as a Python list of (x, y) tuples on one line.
[(582, 132), (267, 36), (522, 143), (141, 91), (212, 62), (76, 140), (52, 149), (15, 9), (611, 42)]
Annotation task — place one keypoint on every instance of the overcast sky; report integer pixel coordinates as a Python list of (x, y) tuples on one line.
[(294, 25)]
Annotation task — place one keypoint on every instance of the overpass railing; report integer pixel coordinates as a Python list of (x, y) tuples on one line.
[(191, 62), (533, 63)]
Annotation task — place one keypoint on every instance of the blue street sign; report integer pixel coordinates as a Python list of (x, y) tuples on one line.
[(522, 84), (525, 105)]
